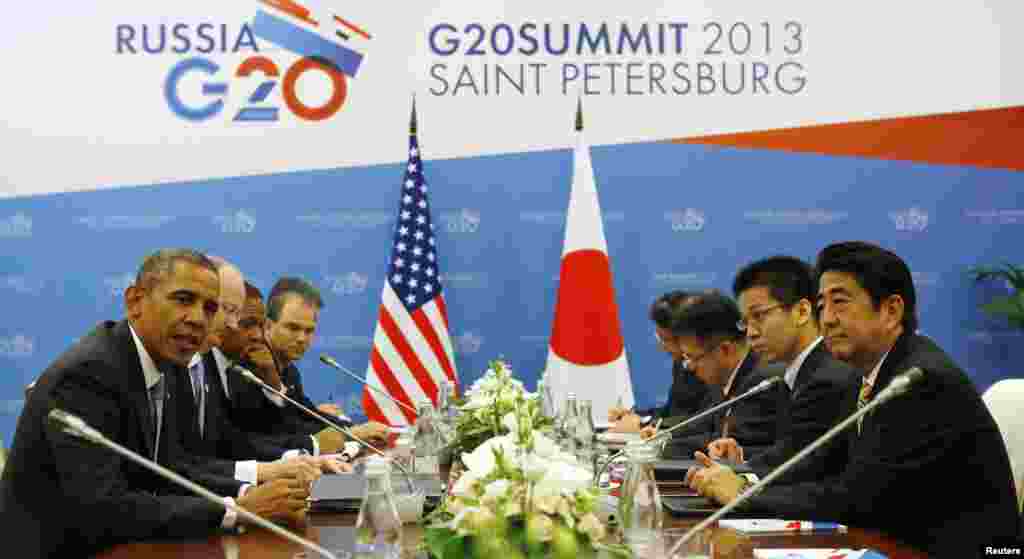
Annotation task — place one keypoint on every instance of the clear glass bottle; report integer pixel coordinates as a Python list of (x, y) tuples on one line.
[(584, 433), (545, 401), (427, 441), (640, 516), (446, 418), (568, 427), (378, 526)]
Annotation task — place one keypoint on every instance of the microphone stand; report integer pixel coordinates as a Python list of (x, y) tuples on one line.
[(899, 386), (331, 362), (251, 377), (77, 427), (761, 387)]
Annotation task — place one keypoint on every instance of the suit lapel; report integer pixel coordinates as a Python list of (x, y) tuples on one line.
[(814, 360), (890, 368), (135, 382)]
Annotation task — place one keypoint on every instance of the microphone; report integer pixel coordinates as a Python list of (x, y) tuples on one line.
[(251, 377), (77, 427), (759, 388), (330, 361), (899, 386)]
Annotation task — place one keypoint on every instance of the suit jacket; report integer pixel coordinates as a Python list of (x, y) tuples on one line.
[(60, 496), (252, 411), (684, 397), (220, 443), (806, 412), (929, 467), (752, 421)]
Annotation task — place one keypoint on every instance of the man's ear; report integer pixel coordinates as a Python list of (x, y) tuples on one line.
[(893, 306), (804, 312), (133, 297)]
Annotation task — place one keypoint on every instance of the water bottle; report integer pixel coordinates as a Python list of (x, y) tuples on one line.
[(639, 501), (584, 433), (545, 400), (568, 428), (427, 441), (446, 418), (378, 527)]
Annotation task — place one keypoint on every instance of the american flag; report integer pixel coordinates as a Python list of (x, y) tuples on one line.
[(412, 349)]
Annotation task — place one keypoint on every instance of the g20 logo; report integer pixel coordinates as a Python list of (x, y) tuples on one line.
[(216, 89)]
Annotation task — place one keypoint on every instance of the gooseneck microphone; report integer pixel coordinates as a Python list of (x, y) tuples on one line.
[(759, 388), (331, 362), (77, 427), (251, 377), (897, 387)]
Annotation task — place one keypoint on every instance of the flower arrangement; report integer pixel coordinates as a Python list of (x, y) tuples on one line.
[(488, 402), (520, 495)]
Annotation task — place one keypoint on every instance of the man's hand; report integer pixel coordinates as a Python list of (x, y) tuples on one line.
[(330, 441), (726, 449), (648, 432), (303, 468), (616, 413), (329, 465), (260, 358), (371, 431), (629, 423), (331, 409), (715, 481), (281, 500)]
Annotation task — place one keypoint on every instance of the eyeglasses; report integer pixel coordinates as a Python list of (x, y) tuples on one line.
[(757, 317), (661, 343), (690, 361)]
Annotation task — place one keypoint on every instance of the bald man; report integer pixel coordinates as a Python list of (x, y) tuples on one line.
[(247, 457)]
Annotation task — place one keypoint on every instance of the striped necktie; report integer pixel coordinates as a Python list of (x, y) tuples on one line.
[(862, 400), (197, 373)]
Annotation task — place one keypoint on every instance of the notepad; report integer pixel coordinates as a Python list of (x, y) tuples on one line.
[(817, 554), (778, 526)]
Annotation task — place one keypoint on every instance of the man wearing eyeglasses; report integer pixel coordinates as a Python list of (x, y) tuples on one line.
[(776, 297), (704, 333), (687, 391), (929, 467)]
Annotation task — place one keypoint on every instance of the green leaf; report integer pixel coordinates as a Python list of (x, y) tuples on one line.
[(439, 539), (1009, 307)]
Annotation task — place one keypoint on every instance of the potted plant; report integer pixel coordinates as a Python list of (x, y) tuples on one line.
[(1010, 307)]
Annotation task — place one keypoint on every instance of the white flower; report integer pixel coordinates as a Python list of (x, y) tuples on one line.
[(496, 488), (464, 486), (481, 460), (562, 476), (510, 422), (534, 467), (544, 446)]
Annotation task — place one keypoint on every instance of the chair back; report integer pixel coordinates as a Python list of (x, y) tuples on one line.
[(1004, 403)]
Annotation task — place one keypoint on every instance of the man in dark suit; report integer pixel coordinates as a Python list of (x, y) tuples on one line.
[(686, 393), (209, 433), (776, 296), (61, 496), (703, 330), (293, 311), (930, 467)]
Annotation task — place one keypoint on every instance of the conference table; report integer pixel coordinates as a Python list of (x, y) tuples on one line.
[(260, 544)]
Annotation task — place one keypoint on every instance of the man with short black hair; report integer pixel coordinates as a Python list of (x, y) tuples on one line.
[(704, 333), (930, 466), (686, 393), (61, 496), (776, 296)]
